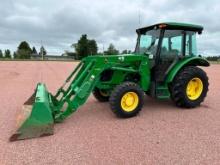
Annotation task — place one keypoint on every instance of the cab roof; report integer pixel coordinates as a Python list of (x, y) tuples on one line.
[(172, 26)]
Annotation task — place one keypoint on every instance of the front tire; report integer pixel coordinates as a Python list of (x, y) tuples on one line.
[(101, 95), (126, 100), (189, 87)]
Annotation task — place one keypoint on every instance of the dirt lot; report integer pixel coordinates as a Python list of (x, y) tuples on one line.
[(161, 134)]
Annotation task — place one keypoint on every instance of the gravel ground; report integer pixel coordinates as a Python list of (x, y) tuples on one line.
[(161, 134)]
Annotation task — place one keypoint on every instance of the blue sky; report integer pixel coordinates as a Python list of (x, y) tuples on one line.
[(57, 24)]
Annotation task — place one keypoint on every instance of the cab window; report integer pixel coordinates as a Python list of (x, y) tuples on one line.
[(191, 49), (172, 43), (149, 42)]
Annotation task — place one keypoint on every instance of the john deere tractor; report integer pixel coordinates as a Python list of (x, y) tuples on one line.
[(164, 65)]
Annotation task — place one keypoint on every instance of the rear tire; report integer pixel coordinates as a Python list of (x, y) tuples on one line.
[(101, 95), (189, 87), (126, 100)]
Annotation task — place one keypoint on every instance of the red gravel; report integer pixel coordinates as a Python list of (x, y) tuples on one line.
[(161, 134)]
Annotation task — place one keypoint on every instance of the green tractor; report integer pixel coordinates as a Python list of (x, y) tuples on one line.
[(164, 65)]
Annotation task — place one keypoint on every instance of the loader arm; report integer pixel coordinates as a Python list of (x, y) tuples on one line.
[(67, 101)]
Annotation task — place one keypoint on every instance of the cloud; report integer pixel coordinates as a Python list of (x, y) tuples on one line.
[(58, 24)]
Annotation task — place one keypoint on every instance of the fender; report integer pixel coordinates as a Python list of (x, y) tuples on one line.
[(189, 61)]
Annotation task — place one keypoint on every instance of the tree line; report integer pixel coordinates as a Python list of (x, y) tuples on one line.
[(88, 47), (83, 48), (5, 54), (213, 58), (24, 51)]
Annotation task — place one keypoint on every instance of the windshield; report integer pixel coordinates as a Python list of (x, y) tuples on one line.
[(148, 42)]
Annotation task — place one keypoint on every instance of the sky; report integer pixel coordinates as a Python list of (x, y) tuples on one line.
[(57, 24)]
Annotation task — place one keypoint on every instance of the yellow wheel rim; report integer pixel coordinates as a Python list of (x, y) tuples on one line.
[(194, 88), (129, 101)]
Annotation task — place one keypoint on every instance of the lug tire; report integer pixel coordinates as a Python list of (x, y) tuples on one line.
[(179, 87), (117, 95), (99, 96)]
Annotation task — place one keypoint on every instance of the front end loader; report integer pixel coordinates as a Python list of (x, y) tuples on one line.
[(43, 109), (163, 66)]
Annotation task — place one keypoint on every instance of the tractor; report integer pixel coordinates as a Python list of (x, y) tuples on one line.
[(164, 65)]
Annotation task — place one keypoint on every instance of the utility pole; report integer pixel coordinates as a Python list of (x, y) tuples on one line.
[(41, 51)]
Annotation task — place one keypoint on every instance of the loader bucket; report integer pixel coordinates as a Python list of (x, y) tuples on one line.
[(36, 119)]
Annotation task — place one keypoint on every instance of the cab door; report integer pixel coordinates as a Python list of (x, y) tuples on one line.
[(170, 51)]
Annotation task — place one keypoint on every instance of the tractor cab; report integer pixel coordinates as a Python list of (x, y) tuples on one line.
[(165, 44)]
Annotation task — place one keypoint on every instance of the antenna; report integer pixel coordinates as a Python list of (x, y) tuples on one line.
[(139, 18)]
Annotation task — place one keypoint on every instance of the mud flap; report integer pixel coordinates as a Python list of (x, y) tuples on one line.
[(36, 118)]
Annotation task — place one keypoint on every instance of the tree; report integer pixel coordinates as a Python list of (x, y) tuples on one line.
[(93, 48), (23, 51), (81, 47), (1, 54), (7, 53), (126, 52), (24, 45), (43, 51), (85, 47), (23, 54), (15, 55), (111, 50), (129, 52), (34, 51)]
